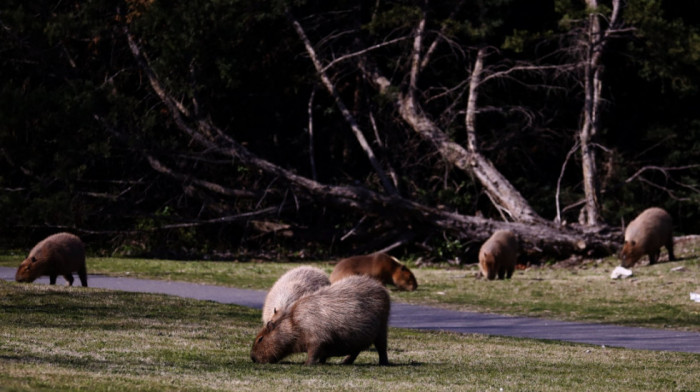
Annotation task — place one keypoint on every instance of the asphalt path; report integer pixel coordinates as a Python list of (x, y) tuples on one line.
[(427, 318)]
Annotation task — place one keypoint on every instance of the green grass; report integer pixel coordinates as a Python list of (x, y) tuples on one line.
[(60, 338), (654, 297)]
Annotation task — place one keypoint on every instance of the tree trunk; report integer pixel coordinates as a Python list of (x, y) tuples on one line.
[(596, 40)]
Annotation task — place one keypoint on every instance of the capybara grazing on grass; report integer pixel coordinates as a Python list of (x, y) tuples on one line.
[(380, 266), (290, 287), (498, 255), (341, 319), (645, 235), (58, 254)]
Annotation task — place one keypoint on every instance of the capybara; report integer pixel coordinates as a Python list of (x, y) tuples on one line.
[(341, 319), (646, 234), (380, 266), (58, 254), (290, 287), (498, 255)]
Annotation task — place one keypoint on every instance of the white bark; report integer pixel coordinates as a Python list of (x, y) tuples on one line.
[(596, 40)]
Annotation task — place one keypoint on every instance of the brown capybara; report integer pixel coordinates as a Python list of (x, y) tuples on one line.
[(646, 234), (498, 255), (380, 266), (58, 254), (290, 287), (341, 319)]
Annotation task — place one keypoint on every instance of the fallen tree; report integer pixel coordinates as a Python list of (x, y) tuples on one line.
[(408, 219)]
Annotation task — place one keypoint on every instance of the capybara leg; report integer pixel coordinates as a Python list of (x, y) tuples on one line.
[(380, 345), (653, 256), (501, 273), (350, 359), (315, 356), (509, 273), (82, 274), (52, 278), (491, 275), (669, 248), (69, 279)]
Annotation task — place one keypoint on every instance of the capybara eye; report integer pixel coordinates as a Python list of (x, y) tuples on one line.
[(260, 339)]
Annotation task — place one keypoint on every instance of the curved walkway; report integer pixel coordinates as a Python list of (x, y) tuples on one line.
[(429, 318)]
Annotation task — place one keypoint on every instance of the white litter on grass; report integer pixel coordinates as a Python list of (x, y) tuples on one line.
[(695, 297), (620, 272)]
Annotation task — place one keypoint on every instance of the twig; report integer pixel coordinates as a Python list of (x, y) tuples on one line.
[(561, 175)]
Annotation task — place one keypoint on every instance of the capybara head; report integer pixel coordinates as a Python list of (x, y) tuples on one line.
[(404, 279), (274, 341), (630, 254), (29, 270)]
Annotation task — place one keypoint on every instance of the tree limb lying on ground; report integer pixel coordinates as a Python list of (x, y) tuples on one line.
[(407, 215)]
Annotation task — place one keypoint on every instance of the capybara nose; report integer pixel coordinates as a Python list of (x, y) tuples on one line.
[(252, 357)]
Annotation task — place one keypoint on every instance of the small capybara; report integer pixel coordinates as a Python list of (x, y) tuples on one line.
[(290, 287), (380, 266), (58, 254), (498, 255), (646, 234), (341, 319)]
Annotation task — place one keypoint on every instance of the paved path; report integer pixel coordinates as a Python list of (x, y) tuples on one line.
[(428, 318)]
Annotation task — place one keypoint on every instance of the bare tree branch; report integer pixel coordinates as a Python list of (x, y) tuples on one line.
[(362, 52), (415, 55), (433, 45), (312, 158), (538, 236), (561, 175), (388, 185), (213, 187)]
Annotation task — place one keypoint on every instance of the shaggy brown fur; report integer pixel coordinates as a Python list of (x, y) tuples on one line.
[(646, 234), (341, 319), (380, 266), (58, 254), (290, 287), (498, 255)]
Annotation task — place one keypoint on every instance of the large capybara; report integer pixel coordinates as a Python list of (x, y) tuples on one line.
[(58, 254), (380, 266), (290, 287), (646, 234), (341, 319), (498, 255)]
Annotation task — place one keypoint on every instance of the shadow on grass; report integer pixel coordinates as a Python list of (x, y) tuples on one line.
[(29, 305)]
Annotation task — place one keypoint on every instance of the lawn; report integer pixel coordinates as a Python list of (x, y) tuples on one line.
[(656, 296), (61, 338)]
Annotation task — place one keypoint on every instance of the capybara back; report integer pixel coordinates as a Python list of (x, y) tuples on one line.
[(380, 266), (646, 234), (498, 255), (291, 286), (342, 319), (58, 254)]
